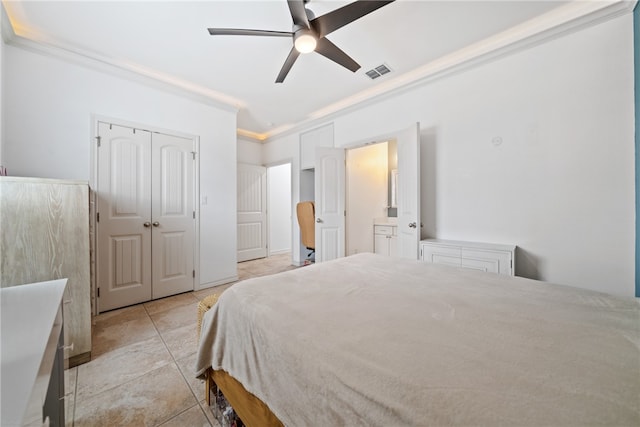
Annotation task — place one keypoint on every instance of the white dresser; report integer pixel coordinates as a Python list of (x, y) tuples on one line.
[(490, 257), (31, 350), (385, 236)]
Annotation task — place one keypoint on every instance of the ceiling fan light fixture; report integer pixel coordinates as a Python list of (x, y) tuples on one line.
[(305, 41)]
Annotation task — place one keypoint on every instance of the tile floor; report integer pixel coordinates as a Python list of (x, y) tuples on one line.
[(143, 358)]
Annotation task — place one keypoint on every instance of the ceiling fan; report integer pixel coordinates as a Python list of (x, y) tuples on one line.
[(309, 33)]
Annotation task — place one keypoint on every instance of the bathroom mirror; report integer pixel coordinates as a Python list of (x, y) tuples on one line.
[(394, 189)]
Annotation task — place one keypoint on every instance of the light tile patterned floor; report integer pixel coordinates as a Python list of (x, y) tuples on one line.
[(143, 358)]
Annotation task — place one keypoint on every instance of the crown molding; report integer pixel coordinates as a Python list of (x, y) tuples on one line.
[(568, 18), (258, 137), (18, 35), (558, 22), (6, 29)]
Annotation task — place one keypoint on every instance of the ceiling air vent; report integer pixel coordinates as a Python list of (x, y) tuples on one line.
[(378, 71)]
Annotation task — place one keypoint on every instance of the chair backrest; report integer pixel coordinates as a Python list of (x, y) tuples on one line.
[(306, 219)]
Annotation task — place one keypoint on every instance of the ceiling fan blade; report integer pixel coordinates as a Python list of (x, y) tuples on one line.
[(298, 13), (338, 18), (293, 55), (334, 53), (243, 32)]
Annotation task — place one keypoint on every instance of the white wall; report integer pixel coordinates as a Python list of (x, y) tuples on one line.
[(279, 206), (367, 187), (249, 151), (2, 12), (560, 185), (48, 107)]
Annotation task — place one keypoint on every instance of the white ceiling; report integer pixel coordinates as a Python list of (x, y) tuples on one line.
[(169, 40)]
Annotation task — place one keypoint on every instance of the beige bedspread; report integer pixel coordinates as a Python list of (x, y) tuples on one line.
[(370, 340)]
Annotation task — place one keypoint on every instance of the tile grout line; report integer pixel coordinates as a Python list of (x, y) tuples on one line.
[(175, 362), (157, 331), (188, 409), (117, 349)]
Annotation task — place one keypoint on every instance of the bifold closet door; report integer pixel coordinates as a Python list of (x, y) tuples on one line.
[(146, 223)]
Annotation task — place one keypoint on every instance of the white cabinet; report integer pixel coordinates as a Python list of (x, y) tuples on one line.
[(31, 354), (489, 257), (385, 239), (309, 141)]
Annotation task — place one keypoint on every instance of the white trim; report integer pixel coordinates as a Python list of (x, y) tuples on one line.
[(571, 17), (567, 18), (225, 281), (130, 71), (7, 32), (281, 251)]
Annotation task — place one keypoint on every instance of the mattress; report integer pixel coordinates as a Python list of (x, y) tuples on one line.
[(372, 340)]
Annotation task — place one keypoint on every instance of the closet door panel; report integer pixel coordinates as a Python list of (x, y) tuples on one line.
[(124, 209), (173, 215)]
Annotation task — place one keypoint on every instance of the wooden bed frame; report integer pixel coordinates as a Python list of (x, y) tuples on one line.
[(251, 410)]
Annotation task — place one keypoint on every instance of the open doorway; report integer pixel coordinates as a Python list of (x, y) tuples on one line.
[(369, 192), (279, 209), (398, 233)]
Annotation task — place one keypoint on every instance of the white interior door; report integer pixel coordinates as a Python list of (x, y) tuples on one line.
[(173, 215), (124, 222), (330, 203), (252, 212), (408, 192)]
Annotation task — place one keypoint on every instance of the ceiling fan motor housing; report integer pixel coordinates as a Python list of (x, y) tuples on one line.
[(305, 40)]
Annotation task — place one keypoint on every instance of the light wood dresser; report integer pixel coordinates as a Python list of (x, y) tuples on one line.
[(44, 236)]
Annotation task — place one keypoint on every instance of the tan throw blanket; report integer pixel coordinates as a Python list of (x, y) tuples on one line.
[(376, 341)]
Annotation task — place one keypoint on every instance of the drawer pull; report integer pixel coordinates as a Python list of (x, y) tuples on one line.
[(68, 301), (67, 347)]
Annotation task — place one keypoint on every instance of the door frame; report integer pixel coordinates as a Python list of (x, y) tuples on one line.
[(388, 136), (93, 181)]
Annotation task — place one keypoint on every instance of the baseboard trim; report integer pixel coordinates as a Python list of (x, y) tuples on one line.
[(216, 283)]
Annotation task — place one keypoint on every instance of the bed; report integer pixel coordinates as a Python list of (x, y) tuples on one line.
[(377, 341)]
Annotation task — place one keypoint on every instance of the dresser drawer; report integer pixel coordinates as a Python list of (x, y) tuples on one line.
[(441, 255), (386, 230), (488, 257)]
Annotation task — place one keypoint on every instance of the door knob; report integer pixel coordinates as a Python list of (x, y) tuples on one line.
[(412, 225), (147, 224), (156, 224), (319, 220)]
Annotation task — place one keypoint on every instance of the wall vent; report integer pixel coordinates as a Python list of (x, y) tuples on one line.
[(378, 71)]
